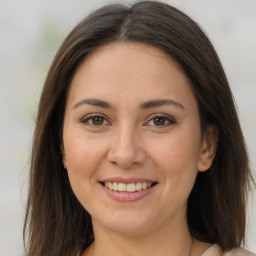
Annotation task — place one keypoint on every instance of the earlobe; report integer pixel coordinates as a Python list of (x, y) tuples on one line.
[(208, 148), (64, 161)]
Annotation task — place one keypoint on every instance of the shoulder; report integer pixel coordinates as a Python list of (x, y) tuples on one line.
[(239, 252), (215, 250)]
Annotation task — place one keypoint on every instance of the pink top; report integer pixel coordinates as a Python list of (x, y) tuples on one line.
[(215, 250)]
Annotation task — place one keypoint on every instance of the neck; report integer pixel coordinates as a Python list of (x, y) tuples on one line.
[(177, 242)]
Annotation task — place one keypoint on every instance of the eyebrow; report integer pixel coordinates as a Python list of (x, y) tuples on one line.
[(93, 102), (158, 103), (145, 105)]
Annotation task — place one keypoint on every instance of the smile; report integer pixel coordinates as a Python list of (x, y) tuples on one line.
[(130, 187), (128, 190)]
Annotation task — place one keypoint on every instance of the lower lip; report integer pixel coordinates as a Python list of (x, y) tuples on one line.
[(128, 196)]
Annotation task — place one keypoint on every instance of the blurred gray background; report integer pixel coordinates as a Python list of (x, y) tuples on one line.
[(31, 32)]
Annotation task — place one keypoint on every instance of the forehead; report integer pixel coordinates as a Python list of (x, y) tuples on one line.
[(134, 70), (129, 58)]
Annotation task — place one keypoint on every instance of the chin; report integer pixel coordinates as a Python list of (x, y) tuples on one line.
[(125, 223)]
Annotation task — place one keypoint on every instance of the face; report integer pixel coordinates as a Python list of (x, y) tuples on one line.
[(132, 140)]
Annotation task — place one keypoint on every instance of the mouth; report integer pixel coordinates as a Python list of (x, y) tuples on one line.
[(129, 187)]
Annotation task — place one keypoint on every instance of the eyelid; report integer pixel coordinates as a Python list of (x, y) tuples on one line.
[(168, 118), (88, 117)]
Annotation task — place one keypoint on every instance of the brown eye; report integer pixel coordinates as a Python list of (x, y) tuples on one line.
[(159, 121), (97, 120)]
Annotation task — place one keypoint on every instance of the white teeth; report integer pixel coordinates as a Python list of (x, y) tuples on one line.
[(115, 186), (131, 187), (121, 187), (138, 186), (110, 185)]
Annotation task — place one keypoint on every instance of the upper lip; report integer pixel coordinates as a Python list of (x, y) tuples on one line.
[(128, 180)]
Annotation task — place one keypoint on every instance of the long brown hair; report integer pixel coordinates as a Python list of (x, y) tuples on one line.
[(55, 223)]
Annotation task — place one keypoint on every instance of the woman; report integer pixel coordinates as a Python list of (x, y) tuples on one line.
[(137, 148)]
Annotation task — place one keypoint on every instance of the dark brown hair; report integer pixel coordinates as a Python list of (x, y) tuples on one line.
[(56, 224)]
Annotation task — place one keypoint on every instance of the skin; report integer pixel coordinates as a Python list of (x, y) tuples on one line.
[(130, 141)]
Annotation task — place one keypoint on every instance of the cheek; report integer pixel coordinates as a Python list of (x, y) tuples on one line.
[(82, 152), (83, 157), (177, 158), (178, 150)]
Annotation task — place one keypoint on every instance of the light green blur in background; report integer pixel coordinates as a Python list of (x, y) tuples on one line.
[(31, 32)]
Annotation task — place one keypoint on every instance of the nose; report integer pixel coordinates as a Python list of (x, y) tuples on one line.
[(125, 150)]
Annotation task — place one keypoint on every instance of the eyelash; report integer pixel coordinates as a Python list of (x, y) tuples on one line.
[(166, 118), (89, 118)]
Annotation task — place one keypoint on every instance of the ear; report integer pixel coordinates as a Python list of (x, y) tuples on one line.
[(208, 148), (62, 149), (63, 154)]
